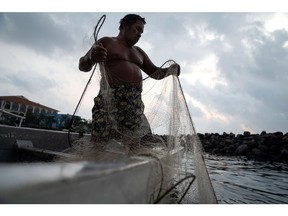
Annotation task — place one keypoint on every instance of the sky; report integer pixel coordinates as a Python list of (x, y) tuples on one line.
[(233, 64)]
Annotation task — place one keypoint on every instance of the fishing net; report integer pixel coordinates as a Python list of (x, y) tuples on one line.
[(151, 124)]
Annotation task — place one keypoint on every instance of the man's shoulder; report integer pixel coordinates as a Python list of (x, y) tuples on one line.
[(106, 39), (139, 50)]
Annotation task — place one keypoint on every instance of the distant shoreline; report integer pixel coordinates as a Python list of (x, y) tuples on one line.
[(272, 147)]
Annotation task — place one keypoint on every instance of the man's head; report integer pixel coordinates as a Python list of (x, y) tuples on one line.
[(129, 19), (131, 28)]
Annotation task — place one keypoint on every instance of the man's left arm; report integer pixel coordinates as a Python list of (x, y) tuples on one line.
[(157, 72)]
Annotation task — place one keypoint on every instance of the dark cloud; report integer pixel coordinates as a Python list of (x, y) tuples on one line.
[(252, 61), (254, 66), (37, 31)]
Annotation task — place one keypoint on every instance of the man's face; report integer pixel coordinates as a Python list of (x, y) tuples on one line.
[(134, 32)]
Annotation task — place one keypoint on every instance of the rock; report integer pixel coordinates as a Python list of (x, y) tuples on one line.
[(242, 149), (230, 149), (232, 135), (252, 144), (263, 133), (264, 146), (246, 133), (278, 134), (285, 138), (228, 141), (239, 136), (200, 135), (284, 154), (222, 150), (257, 152), (215, 151)]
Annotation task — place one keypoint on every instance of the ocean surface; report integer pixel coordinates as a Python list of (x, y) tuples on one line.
[(242, 181)]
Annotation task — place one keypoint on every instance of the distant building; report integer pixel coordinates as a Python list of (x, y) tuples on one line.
[(14, 109), (21, 106), (19, 111)]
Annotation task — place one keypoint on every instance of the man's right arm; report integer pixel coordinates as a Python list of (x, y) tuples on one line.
[(97, 53), (85, 63)]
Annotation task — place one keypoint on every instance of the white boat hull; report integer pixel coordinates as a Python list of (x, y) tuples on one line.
[(132, 181)]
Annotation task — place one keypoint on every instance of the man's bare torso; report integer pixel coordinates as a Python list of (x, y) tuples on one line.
[(123, 64)]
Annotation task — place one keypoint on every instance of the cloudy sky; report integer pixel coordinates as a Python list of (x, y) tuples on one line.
[(234, 65)]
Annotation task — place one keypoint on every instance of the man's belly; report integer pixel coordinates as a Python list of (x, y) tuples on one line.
[(124, 72)]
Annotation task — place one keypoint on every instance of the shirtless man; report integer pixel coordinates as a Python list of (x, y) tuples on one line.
[(122, 62)]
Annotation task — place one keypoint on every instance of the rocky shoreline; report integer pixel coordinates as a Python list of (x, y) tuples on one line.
[(272, 147)]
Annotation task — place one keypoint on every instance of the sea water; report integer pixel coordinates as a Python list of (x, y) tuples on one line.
[(241, 181)]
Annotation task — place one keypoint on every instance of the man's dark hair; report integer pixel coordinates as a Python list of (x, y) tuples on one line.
[(130, 19)]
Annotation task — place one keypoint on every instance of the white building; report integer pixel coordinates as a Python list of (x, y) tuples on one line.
[(21, 106)]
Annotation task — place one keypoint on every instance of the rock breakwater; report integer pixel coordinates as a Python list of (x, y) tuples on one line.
[(263, 147)]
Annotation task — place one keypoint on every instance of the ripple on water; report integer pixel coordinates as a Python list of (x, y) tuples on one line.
[(237, 180)]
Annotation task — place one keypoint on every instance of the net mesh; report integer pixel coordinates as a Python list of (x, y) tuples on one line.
[(164, 133)]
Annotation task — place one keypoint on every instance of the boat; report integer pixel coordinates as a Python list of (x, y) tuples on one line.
[(28, 175), (173, 172)]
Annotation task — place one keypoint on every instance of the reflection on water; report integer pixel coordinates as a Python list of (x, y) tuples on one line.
[(237, 180)]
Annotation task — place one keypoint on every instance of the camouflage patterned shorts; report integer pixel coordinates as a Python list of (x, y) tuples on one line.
[(125, 112)]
